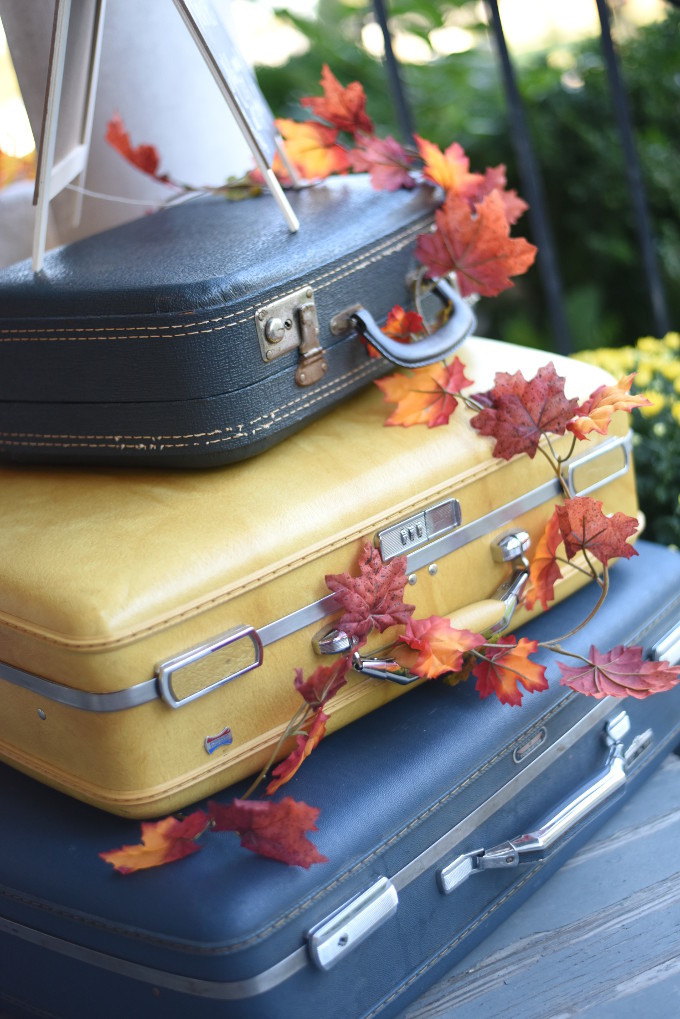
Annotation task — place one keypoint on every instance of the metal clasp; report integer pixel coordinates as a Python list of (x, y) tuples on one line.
[(291, 323)]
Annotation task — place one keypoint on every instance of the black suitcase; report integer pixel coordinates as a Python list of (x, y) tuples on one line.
[(207, 332), (440, 813)]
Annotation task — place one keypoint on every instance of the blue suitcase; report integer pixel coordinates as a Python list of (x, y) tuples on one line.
[(440, 813)]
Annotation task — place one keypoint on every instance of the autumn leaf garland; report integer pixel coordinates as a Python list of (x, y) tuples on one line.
[(471, 235)]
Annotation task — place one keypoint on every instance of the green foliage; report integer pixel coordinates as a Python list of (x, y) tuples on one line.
[(656, 428), (569, 112)]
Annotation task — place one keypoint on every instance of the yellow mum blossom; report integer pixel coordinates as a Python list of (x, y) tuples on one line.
[(644, 376), (675, 411), (671, 370), (672, 340), (657, 401), (649, 345)]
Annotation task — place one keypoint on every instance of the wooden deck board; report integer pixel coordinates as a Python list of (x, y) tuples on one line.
[(600, 939)]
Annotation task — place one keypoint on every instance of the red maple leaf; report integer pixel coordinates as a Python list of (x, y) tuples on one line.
[(304, 744), (621, 672), (544, 570), (522, 411), (313, 148), (494, 179), (584, 527), (323, 683), (388, 163), (441, 648), (504, 668), (597, 411), (144, 157), (344, 108), (375, 597), (162, 842), (476, 245), (276, 830), (425, 396)]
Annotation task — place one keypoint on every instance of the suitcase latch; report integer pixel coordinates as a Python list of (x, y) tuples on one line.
[(291, 323)]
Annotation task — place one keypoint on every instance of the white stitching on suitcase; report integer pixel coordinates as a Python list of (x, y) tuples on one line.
[(324, 391), (153, 332)]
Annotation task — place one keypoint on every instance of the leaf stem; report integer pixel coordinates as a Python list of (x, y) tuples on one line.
[(552, 644), (298, 719)]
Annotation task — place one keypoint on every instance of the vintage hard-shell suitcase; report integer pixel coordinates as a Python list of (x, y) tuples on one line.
[(151, 623), (439, 814), (207, 332)]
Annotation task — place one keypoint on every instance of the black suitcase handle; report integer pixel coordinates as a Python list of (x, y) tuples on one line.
[(436, 347)]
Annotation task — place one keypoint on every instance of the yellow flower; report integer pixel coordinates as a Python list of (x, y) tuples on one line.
[(657, 401), (675, 411), (644, 376), (672, 340), (649, 345)]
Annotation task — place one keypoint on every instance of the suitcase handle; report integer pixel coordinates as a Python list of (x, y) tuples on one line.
[(436, 347), (568, 815)]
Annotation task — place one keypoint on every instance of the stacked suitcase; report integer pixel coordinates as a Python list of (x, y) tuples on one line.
[(439, 815), (152, 620)]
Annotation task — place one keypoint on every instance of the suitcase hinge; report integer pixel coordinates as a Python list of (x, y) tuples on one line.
[(288, 323)]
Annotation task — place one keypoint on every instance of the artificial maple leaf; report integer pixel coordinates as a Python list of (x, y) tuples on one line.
[(449, 169), (344, 108), (323, 683), (313, 148), (14, 168), (387, 162), (425, 396), (162, 842), (441, 648), (375, 597), (596, 413), (476, 245), (304, 744), (144, 157), (621, 672), (522, 411), (403, 326), (494, 179), (584, 527), (276, 830), (544, 570), (504, 668)]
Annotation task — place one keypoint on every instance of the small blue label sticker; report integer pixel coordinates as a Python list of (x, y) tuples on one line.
[(224, 738)]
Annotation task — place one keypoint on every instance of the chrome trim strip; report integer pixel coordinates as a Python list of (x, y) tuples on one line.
[(218, 990), (316, 611), (119, 700)]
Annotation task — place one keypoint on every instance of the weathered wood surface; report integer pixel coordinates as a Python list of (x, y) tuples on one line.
[(600, 939)]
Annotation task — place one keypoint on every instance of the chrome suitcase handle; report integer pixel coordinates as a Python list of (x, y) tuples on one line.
[(532, 846), (433, 348)]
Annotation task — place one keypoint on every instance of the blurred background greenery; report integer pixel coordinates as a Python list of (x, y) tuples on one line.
[(450, 74)]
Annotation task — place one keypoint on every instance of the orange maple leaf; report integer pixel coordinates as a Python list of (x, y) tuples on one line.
[(494, 179), (144, 157), (344, 108), (304, 744), (162, 842), (621, 672), (476, 245), (403, 326), (584, 527), (544, 570), (441, 648), (596, 413), (505, 667), (313, 148), (426, 395), (449, 169), (276, 830)]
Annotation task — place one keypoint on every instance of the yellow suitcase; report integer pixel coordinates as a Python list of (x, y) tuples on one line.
[(151, 622)]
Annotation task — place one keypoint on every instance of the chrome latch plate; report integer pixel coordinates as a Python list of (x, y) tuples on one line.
[(343, 930), (291, 323)]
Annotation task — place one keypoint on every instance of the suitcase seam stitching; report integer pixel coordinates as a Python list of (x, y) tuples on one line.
[(375, 254)]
